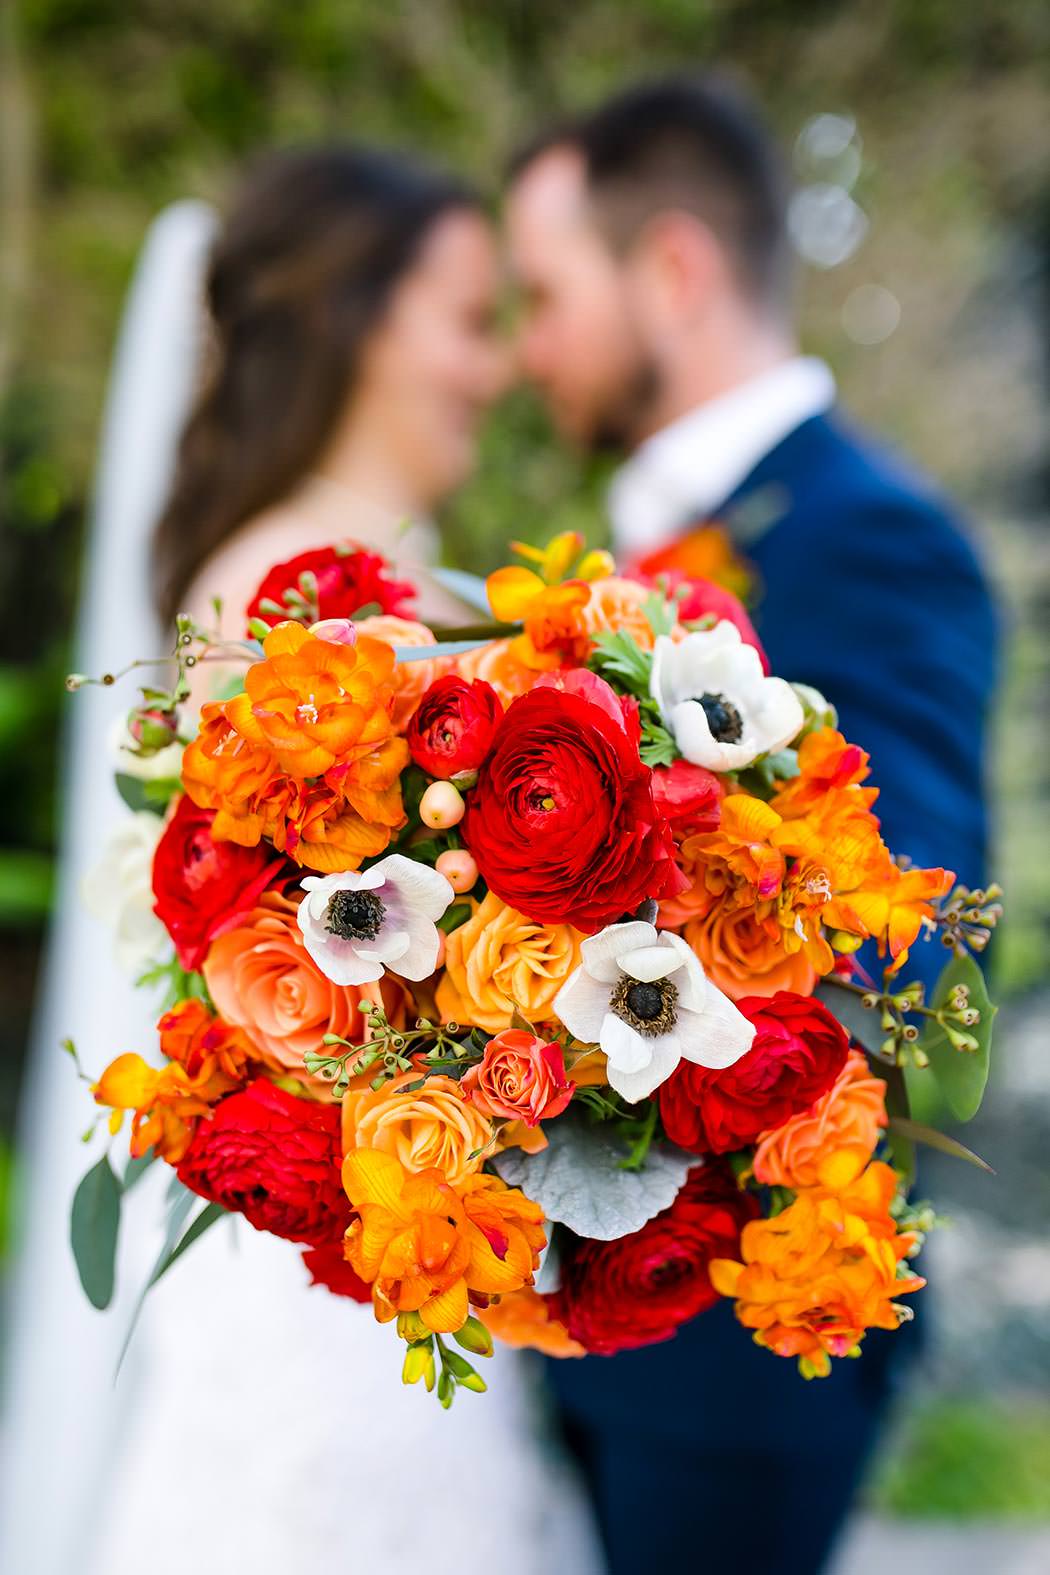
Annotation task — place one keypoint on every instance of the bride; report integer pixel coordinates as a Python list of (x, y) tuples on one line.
[(262, 1426)]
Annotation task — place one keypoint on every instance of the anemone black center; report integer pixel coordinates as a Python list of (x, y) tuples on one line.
[(723, 718), (355, 915), (649, 1008)]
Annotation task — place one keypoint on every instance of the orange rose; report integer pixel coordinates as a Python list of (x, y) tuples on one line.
[(523, 1319), (411, 679), (744, 952), (427, 1247), (433, 1128), (498, 664), (847, 1119), (500, 960), (617, 604), (262, 979), (519, 1078)]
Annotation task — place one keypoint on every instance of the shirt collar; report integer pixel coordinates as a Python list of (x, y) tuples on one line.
[(687, 469)]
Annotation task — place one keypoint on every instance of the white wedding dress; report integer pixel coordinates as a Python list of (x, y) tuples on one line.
[(258, 1424)]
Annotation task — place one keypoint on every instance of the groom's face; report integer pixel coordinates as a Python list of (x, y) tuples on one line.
[(580, 339)]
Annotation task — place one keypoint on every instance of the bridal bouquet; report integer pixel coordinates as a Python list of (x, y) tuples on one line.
[(520, 973)]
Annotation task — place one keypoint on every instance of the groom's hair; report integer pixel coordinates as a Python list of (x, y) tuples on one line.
[(693, 143)]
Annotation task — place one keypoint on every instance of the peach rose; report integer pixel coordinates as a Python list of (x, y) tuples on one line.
[(498, 665), (847, 1118), (411, 679), (262, 979), (433, 1128), (519, 1078), (523, 1319), (500, 960), (618, 604), (743, 952)]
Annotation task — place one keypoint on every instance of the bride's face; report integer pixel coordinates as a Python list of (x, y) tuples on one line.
[(437, 362)]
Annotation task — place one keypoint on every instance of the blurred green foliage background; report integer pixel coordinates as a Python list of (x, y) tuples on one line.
[(108, 111)]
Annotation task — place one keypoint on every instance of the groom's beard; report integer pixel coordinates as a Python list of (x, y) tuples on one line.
[(617, 426)]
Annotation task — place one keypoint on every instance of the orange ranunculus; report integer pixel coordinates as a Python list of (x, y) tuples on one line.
[(166, 1102), (306, 755), (745, 951), (500, 960), (411, 680), (262, 979), (499, 665), (816, 1276), (846, 1120), (425, 1246), (203, 1043), (523, 1319), (432, 1128)]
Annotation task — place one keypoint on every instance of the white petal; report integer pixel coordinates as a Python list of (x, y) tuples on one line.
[(626, 1048), (581, 1004), (692, 733), (419, 959), (636, 1086), (718, 1036), (601, 952), (422, 888), (341, 962), (388, 947), (649, 963), (780, 715), (690, 979)]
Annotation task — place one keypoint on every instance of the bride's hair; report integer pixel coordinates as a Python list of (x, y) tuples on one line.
[(302, 269)]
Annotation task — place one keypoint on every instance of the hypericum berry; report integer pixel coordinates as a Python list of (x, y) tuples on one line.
[(458, 867), (441, 806)]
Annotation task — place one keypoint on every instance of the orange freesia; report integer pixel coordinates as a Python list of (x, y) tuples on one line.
[(523, 1319), (815, 1277), (427, 1247), (550, 606), (306, 754), (431, 1128), (704, 554), (499, 961), (203, 1043), (847, 1120), (166, 1102)]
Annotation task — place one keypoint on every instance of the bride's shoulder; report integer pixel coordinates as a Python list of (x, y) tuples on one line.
[(237, 567)]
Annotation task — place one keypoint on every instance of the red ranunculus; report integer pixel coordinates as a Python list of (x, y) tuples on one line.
[(688, 797), (616, 1295), (562, 821), (275, 1158), (454, 725), (328, 1267), (799, 1050), (202, 886), (348, 578)]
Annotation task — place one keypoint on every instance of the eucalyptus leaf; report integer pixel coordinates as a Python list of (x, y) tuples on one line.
[(94, 1227), (859, 1022), (141, 793), (423, 653), (176, 1242), (900, 1132), (135, 1169), (470, 588), (961, 1074), (918, 1132), (578, 1182)]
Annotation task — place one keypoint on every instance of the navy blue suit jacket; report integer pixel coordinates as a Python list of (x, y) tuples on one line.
[(871, 593)]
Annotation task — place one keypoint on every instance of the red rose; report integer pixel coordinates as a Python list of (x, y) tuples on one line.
[(688, 797), (799, 1050), (348, 578), (274, 1158), (616, 1295), (328, 1267), (562, 822), (453, 726), (202, 886)]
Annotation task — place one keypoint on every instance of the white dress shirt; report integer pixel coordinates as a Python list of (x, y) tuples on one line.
[(685, 471)]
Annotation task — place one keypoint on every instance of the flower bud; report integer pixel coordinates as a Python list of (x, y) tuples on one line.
[(441, 806), (474, 1337), (459, 869), (419, 1363), (152, 729)]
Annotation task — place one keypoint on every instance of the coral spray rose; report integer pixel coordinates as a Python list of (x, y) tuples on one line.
[(202, 886), (616, 1295), (275, 1159), (848, 1119), (798, 1051), (453, 727), (519, 1078), (562, 821)]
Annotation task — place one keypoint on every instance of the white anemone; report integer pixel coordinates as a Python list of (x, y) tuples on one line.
[(641, 994), (362, 922), (717, 702)]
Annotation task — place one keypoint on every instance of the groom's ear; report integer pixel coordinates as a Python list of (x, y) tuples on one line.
[(679, 263)]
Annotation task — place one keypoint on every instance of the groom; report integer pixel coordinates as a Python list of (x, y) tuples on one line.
[(650, 245)]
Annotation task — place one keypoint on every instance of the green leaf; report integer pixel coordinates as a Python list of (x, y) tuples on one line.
[(470, 588), (660, 612), (617, 655), (961, 1074), (917, 1132), (898, 1108), (135, 1169), (657, 747), (93, 1230), (453, 917), (139, 793), (176, 1242)]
